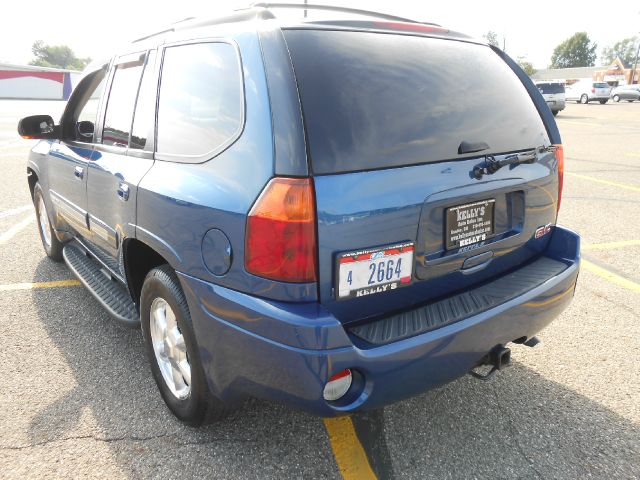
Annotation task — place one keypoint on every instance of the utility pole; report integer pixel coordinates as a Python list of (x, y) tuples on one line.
[(635, 64), (305, 10)]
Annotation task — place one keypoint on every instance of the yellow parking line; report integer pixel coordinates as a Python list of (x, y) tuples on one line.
[(350, 456), (632, 154), (605, 182), (609, 245), (9, 234), (28, 286), (561, 121), (612, 277)]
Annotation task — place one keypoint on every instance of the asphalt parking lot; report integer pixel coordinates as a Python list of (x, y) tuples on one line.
[(77, 398)]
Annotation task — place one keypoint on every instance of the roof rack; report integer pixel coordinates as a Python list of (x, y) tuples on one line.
[(329, 8)]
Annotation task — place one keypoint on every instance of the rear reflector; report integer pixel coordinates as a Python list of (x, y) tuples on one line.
[(338, 385), (560, 159), (280, 241)]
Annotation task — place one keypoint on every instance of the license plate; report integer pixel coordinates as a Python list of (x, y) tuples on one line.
[(470, 223), (372, 271)]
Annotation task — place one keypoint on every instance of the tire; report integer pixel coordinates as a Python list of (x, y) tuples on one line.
[(602, 102), (52, 246), (555, 112), (186, 392), (616, 98), (584, 98)]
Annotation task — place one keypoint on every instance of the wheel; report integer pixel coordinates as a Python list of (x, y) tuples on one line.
[(630, 101), (602, 102), (52, 246), (616, 98), (172, 350), (584, 98), (555, 112)]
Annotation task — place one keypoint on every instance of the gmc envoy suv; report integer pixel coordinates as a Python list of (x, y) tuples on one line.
[(334, 214)]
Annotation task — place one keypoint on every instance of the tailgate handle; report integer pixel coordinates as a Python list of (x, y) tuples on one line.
[(477, 263)]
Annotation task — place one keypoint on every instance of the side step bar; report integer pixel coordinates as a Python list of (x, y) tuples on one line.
[(111, 294)]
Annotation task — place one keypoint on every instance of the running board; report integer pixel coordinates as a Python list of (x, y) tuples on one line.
[(111, 294)]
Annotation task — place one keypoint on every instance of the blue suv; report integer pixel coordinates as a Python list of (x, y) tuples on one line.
[(333, 214)]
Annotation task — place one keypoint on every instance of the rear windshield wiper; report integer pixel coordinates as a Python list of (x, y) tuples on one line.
[(492, 164)]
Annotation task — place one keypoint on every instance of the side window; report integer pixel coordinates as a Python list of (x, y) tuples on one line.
[(84, 105), (145, 106), (201, 103), (122, 98)]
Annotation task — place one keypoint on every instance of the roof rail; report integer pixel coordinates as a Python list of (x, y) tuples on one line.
[(194, 22), (329, 8)]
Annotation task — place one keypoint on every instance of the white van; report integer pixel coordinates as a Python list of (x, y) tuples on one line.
[(553, 93), (585, 91)]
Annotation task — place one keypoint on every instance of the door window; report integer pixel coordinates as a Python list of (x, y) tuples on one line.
[(81, 118), (145, 107), (122, 99), (201, 104)]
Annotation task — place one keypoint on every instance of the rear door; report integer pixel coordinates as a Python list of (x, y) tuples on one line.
[(124, 153), (398, 127)]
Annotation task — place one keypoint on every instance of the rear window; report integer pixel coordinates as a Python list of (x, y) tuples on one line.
[(548, 88), (375, 100), (601, 85)]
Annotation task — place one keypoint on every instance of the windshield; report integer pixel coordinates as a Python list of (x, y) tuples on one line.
[(373, 100)]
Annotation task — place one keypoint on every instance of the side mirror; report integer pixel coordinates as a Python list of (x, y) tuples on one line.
[(38, 127), (85, 130)]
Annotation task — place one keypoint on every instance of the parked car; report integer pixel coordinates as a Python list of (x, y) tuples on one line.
[(585, 91), (626, 92), (307, 211), (553, 94)]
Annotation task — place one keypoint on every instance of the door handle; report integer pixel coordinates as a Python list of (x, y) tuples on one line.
[(78, 173), (123, 192)]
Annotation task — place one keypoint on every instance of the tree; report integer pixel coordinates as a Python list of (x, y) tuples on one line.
[(625, 49), (492, 38), (56, 56), (526, 66), (577, 51)]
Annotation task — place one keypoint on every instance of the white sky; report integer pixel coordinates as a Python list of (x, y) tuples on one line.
[(532, 29)]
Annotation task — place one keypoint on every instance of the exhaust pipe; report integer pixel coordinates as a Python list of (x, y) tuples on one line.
[(499, 357)]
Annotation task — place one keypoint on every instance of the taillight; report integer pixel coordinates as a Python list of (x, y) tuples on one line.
[(560, 159), (593, 90), (280, 241)]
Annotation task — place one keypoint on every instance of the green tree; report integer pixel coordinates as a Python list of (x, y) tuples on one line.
[(625, 49), (56, 56), (526, 66), (492, 38), (576, 51)]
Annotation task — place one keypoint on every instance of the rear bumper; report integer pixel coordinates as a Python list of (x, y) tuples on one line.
[(287, 351)]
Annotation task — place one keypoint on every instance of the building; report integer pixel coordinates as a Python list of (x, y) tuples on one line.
[(615, 74), (31, 82)]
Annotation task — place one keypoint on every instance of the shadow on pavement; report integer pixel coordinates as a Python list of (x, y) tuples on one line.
[(520, 425)]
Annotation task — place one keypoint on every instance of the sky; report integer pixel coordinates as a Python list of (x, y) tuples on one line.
[(530, 29)]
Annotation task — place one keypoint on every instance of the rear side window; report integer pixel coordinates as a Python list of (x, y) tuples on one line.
[(122, 99), (601, 85), (548, 88), (201, 103), (375, 100)]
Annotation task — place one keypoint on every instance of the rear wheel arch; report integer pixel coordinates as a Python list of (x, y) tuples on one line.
[(139, 259)]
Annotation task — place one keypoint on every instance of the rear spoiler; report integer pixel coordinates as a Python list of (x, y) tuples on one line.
[(536, 96)]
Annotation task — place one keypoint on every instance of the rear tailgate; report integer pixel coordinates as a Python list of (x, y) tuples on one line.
[(394, 125)]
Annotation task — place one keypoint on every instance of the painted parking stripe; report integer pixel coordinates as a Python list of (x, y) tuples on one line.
[(612, 277), (17, 228), (632, 154), (15, 211), (35, 285), (605, 182), (610, 245), (349, 453)]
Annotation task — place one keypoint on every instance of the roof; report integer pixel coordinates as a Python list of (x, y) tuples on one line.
[(565, 73), (35, 68)]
